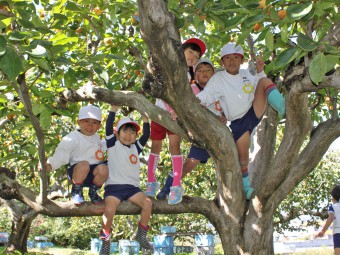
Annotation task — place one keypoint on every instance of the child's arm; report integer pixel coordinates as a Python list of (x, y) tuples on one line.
[(326, 226), (145, 136), (110, 120)]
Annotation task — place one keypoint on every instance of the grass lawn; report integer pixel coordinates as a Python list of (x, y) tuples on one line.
[(218, 251)]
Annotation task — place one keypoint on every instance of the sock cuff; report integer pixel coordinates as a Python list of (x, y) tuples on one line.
[(270, 88), (144, 227), (75, 183)]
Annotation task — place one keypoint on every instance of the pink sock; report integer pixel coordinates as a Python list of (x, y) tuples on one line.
[(152, 165), (177, 167)]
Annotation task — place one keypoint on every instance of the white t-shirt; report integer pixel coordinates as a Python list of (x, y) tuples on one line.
[(335, 209), (124, 164), (234, 92), (76, 147)]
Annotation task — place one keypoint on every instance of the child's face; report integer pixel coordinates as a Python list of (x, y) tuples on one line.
[(232, 63), (89, 126), (203, 73), (191, 56), (127, 135)]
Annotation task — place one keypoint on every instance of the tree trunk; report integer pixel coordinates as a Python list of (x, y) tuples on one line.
[(22, 217)]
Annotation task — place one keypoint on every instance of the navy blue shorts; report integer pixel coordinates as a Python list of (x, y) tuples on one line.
[(247, 123), (89, 178), (336, 240), (200, 154), (121, 191)]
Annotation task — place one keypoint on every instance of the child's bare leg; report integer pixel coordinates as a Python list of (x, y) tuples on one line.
[(175, 144), (111, 205), (189, 165), (267, 89), (260, 97), (242, 145), (101, 173), (146, 204), (80, 171), (337, 251)]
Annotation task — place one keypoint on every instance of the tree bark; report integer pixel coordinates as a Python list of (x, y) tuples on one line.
[(21, 217)]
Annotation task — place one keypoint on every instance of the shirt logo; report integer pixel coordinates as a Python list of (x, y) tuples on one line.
[(248, 88), (133, 159)]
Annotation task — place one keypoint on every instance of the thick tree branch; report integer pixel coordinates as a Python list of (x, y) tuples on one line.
[(299, 81), (22, 91)]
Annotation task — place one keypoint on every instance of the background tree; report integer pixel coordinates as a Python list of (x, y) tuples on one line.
[(51, 48)]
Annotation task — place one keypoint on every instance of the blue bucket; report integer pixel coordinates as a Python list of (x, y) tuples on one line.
[(204, 240), (163, 241), (127, 247), (113, 247), (95, 245), (168, 229)]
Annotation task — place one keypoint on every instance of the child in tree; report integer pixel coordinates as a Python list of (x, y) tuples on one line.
[(203, 71), (333, 216), (84, 151), (243, 98), (124, 175), (193, 50)]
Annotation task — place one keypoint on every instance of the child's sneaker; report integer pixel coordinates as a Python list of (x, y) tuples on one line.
[(106, 243), (151, 188), (164, 193), (176, 193), (95, 198), (141, 238), (77, 194)]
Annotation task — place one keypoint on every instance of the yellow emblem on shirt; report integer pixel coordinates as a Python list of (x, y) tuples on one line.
[(248, 88)]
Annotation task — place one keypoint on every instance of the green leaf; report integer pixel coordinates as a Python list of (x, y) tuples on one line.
[(3, 45), (38, 52), (270, 40), (285, 57), (235, 21), (19, 36), (45, 119), (331, 60), (42, 64), (318, 68), (297, 11), (10, 64), (37, 108), (284, 33), (306, 43), (4, 23), (3, 98), (73, 7)]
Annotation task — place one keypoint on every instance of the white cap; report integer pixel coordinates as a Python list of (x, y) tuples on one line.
[(203, 60), (231, 48), (127, 120), (90, 112)]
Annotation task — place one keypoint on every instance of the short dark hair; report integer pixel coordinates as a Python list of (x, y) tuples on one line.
[(336, 192), (192, 46), (128, 126)]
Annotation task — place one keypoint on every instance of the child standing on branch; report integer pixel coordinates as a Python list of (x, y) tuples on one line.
[(243, 98), (193, 50), (84, 151), (333, 217), (124, 176)]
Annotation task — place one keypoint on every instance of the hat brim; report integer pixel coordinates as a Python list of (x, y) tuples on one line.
[(199, 43)]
